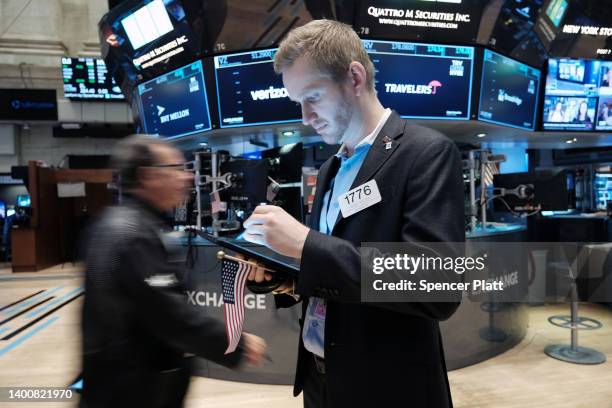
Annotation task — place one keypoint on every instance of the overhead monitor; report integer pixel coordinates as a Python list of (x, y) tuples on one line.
[(578, 95), (250, 92), (28, 104), (423, 81), (512, 33), (556, 10), (175, 104), (602, 190), (508, 92), (142, 39), (420, 20), (88, 78)]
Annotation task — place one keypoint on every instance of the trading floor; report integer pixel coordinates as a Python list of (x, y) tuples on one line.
[(47, 354)]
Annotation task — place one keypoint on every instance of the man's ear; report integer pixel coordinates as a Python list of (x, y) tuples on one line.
[(358, 77), (143, 175)]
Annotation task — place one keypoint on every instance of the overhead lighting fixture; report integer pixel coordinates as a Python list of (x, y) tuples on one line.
[(288, 133), (569, 141), (481, 135), (203, 144)]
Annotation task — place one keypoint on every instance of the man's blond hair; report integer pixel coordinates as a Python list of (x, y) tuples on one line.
[(330, 45)]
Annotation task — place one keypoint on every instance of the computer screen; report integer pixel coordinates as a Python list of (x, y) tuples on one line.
[(28, 104), (511, 31), (285, 162), (603, 190), (142, 39), (419, 20), (578, 95), (175, 104), (423, 81), (23, 201), (508, 92), (249, 91), (556, 10), (88, 78)]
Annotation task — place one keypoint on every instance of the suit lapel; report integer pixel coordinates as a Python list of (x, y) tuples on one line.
[(379, 153), (326, 173)]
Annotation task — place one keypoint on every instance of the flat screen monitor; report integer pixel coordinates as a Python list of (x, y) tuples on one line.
[(423, 81), (603, 190), (508, 92), (23, 201), (175, 104), (249, 185), (513, 25), (578, 95), (556, 10), (285, 162), (419, 20), (88, 78), (249, 91), (28, 104), (142, 39), (545, 188)]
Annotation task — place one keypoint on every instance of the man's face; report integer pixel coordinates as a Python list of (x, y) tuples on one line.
[(166, 181), (326, 106)]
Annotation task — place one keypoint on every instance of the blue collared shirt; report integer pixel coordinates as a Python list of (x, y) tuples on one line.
[(314, 322)]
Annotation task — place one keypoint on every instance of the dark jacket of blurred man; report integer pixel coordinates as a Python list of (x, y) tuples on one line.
[(137, 325)]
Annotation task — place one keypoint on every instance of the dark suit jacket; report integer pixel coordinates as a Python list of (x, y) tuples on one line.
[(385, 353), (136, 323)]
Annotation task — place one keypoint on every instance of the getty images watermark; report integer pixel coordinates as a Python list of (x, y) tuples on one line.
[(533, 272)]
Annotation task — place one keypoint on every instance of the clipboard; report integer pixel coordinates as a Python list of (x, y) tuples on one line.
[(283, 267)]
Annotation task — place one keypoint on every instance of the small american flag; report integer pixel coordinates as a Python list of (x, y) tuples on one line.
[(233, 280), (490, 169)]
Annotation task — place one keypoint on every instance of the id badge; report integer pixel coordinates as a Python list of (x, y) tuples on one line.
[(359, 198)]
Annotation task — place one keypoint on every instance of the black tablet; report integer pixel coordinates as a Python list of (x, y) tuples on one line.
[(263, 255)]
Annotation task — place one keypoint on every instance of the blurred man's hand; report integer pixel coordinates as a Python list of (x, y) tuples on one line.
[(273, 227), (254, 349)]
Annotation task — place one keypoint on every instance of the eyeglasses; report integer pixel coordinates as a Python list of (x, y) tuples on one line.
[(178, 166)]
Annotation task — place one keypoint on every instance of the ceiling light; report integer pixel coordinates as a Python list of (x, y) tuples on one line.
[(288, 133), (203, 144), (481, 135)]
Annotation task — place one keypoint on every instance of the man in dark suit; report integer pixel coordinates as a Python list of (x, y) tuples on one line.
[(351, 353)]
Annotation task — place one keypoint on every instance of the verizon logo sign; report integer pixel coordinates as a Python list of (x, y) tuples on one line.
[(270, 93)]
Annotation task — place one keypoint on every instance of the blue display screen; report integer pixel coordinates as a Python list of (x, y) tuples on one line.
[(23, 201), (249, 91), (508, 92), (578, 95), (423, 80), (175, 104), (603, 190), (556, 10)]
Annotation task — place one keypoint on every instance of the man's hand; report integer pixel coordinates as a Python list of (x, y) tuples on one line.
[(254, 349), (275, 228), (258, 273)]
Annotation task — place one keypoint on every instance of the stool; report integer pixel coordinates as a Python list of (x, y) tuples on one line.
[(575, 353)]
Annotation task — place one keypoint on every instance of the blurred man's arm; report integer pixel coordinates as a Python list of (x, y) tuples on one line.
[(160, 302)]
